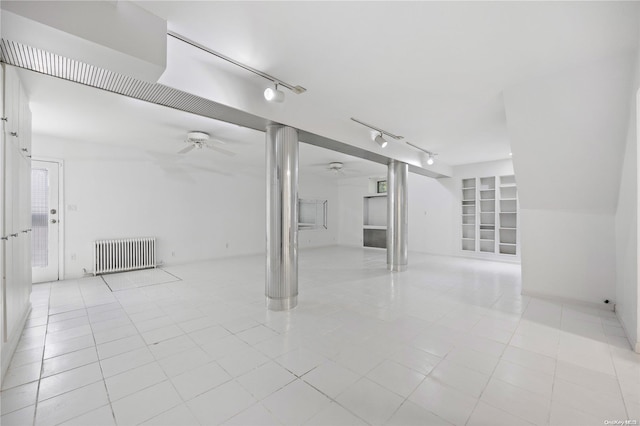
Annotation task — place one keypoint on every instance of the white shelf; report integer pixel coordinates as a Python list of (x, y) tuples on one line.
[(508, 180), (494, 199), (374, 220)]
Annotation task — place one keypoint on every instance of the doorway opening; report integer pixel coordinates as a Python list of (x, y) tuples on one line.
[(46, 235)]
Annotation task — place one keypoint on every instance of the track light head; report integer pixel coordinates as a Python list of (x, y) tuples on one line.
[(380, 140), (430, 160), (273, 94)]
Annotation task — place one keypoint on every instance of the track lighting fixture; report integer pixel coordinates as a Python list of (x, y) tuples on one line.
[(430, 159), (430, 155), (273, 94), (380, 140)]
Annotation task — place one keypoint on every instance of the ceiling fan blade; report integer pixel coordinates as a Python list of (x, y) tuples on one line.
[(223, 151), (187, 149)]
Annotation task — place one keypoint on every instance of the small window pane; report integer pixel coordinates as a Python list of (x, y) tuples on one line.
[(40, 217), (312, 214)]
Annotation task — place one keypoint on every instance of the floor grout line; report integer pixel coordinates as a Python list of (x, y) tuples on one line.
[(361, 313)]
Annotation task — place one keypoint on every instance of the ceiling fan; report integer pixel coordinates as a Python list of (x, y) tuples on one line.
[(337, 167), (199, 140)]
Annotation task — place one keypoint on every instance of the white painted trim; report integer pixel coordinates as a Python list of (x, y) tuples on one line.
[(494, 257), (63, 220), (560, 299), (61, 212), (636, 346)]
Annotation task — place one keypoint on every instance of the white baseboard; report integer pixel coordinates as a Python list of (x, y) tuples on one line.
[(561, 299)]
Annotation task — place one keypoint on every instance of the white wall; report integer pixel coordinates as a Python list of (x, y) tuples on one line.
[(432, 215), (568, 255), (626, 226), (195, 213), (568, 133), (350, 193), (316, 188)]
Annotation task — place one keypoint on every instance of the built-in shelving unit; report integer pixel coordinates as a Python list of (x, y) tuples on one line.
[(469, 214), (375, 220), (487, 214), (490, 215), (508, 215)]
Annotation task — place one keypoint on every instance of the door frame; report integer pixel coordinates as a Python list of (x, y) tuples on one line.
[(61, 211)]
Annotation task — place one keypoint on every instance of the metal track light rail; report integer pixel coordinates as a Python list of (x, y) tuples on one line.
[(295, 89), (391, 135)]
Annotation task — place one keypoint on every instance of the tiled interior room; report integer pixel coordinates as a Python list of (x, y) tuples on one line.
[(319, 213), (450, 342)]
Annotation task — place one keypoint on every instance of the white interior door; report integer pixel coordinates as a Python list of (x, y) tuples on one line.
[(45, 221)]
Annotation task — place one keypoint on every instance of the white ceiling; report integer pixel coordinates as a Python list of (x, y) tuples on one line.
[(433, 72), (72, 112)]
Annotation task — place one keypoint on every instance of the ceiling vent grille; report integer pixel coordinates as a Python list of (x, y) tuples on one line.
[(41, 61)]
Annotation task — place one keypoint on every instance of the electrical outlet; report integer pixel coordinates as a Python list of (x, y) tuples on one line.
[(173, 254), (73, 256)]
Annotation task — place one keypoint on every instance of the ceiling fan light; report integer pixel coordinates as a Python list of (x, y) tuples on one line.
[(272, 94), (197, 135), (380, 141)]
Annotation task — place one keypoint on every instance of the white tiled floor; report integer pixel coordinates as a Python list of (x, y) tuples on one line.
[(450, 341)]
